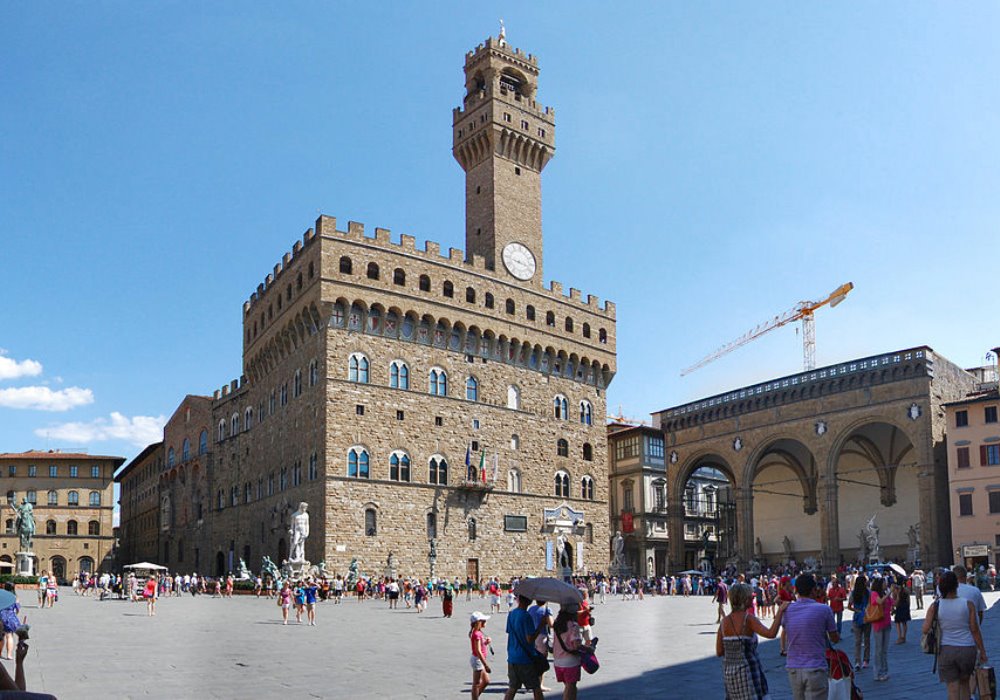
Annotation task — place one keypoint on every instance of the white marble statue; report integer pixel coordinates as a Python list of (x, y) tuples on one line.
[(619, 549), (871, 533), (299, 531)]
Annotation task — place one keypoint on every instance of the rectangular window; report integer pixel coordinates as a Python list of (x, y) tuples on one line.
[(53, 470), (989, 455), (399, 415), (12, 470), (359, 409), (961, 419), (965, 504), (95, 472), (270, 484), (32, 470), (515, 523), (656, 447), (73, 470), (995, 501), (990, 414), (438, 421), (963, 457)]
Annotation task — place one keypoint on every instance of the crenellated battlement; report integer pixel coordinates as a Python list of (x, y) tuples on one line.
[(326, 226), (286, 262), (230, 388), (501, 46)]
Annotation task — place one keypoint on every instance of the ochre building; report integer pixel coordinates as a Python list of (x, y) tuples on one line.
[(72, 495), (443, 406)]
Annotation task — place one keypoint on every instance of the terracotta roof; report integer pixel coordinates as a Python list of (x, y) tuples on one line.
[(54, 454)]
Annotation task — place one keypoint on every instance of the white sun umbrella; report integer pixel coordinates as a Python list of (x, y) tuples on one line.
[(551, 590)]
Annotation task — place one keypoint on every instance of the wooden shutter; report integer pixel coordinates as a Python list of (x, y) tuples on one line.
[(982, 456)]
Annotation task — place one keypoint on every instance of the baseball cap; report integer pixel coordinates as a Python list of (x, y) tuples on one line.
[(478, 616)]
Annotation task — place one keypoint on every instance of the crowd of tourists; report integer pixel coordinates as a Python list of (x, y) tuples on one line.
[(808, 613)]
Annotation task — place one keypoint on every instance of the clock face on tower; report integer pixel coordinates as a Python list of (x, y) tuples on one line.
[(519, 261)]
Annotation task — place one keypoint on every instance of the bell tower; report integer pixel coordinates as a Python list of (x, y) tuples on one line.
[(503, 139)]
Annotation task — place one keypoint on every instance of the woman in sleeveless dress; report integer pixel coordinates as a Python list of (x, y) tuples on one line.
[(736, 642)]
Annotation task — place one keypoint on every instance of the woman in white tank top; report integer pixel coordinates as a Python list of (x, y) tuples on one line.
[(958, 636)]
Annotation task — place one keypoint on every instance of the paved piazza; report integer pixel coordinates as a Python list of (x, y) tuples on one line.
[(214, 648)]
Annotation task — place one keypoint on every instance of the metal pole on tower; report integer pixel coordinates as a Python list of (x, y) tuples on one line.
[(808, 341)]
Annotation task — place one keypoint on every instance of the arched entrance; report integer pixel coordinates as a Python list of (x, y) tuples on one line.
[(59, 569), (876, 471), (703, 515), (220, 564), (786, 525), (86, 565)]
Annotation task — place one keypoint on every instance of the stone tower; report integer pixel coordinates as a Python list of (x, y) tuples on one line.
[(503, 139)]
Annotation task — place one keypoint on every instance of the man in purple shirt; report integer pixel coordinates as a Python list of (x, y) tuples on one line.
[(807, 625)]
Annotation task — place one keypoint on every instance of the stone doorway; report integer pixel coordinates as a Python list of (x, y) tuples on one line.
[(472, 570)]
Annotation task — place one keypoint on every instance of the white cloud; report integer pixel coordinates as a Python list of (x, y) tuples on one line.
[(13, 369), (42, 398), (138, 430)]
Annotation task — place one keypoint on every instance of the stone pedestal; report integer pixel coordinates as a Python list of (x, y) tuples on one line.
[(25, 563)]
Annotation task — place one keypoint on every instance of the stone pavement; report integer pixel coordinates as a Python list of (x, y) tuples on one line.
[(214, 648)]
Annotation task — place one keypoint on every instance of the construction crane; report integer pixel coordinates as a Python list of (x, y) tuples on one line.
[(804, 310)]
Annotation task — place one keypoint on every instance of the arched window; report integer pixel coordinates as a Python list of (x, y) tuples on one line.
[(471, 389), (488, 300), (345, 265), (399, 466), (312, 271), (95, 498), (569, 324), (432, 527), (470, 295), (529, 311), (234, 424), (53, 497), (448, 289), (562, 484), (586, 413), (472, 529), (71, 527), (73, 498), (560, 407), (586, 330), (296, 384), (50, 527), (588, 452), (509, 306), (357, 368), (170, 457), (513, 397), (550, 319), (399, 375), (515, 442), (514, 481), (372, 271), (602, 336), (31, 496), (399, 276), (371, 522), (425, 283), (438, 472), (203, 442), (248, 416), (9, 526), (94, 528), (587, 488), (186, 450), (313, 373), (222, 430), (438, 382), (357, 463), (562, 448)]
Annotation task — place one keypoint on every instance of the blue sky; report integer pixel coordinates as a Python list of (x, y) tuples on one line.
[(716, 163)]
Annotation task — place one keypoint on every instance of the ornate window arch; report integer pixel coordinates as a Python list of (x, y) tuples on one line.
[(234, 424), (248, 418), (472, 389), (358, 463), (357, 368), (437, 470), (514, 480), (222, 430), (53, 497), (561, 484), (560, 407), (438, 382), (513, 397), (313, 373), (95, 498), (586, 413), (399, 375), (73, 498), (399, 466), (587, 488)]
